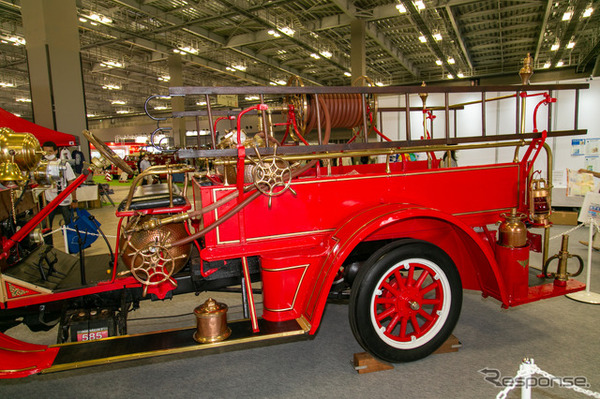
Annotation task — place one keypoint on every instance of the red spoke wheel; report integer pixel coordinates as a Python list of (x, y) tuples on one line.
[(405, 301)]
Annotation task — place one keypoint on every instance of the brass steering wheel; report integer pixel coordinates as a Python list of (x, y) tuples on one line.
[(108, 153)]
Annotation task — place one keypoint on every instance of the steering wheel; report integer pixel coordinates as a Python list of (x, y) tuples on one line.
[(108, 153)]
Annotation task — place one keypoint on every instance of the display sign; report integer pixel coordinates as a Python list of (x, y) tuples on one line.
[(228, 100), (590, 208)]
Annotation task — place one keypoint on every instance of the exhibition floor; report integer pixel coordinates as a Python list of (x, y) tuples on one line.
[(560, 334)]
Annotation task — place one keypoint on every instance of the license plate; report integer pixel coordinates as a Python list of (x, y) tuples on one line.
[(92, 334)]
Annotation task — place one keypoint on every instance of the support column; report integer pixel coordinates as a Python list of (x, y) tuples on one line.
[(54, 63), (177, 105), (358, 52)]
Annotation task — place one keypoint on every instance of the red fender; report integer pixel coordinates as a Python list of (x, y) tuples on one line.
[(376, 219), (20, 359)]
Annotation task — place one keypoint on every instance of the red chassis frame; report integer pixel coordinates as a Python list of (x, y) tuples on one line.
[(304, 237)]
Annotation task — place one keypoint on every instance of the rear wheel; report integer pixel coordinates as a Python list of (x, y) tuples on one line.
[(405, 301)]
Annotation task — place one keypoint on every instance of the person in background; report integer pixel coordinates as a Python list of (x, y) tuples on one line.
[(145, 164), (68, 176)]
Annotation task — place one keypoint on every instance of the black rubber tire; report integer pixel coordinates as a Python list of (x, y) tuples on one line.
[(377, 273)]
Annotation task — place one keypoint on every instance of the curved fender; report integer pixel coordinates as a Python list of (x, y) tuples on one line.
[(362, 225)]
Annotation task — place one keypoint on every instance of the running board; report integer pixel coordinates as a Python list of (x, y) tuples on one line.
[(130, 347)]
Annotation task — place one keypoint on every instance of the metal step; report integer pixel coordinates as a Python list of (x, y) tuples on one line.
[(160, 343)]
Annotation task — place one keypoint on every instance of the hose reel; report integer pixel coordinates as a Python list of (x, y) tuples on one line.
[(339, 110)]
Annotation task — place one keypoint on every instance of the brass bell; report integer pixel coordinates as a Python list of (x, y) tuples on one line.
[(10, 171), (211, 322)]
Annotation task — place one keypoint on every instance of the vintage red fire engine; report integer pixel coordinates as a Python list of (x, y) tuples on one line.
[(286, 207)]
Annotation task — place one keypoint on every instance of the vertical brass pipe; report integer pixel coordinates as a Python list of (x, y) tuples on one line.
[(319, 130), (263, 120), (213, 133)]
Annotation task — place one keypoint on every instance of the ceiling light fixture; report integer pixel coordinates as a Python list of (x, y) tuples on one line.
[(588, 12), (438, 62), (437, 36), (100, 18), (547, 65), (401, 9), (90, 115), (315, 56), (423, 39), (7, 84), (571, 44), (164, 78), (347, 74), (419, 5), (252, 98), (286, 30), (450, 76), (112, 64), (451, 60), (559, 64), (24, 100), (239, 67), (188, 49), (555, 46), (326, 54), (201, 103), (110, 86), (81, 19), (161, 107), (123, 111), (118, 102), (567, 15), (273, 32), (460, 75)]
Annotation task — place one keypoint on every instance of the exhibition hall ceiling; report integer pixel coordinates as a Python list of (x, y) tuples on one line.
[(127, 43)]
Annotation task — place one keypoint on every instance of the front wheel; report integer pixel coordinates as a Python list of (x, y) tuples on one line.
[(405, 301)]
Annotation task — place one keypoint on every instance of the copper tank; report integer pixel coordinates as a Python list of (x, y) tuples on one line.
[(132, 245), (513, 232), (211, 322)]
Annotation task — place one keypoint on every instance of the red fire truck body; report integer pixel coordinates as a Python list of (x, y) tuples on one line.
[(406, 237)]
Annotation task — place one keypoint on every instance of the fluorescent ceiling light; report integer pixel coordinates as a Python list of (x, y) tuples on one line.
[(164, 78), (201, 103), (286, 30), (273, 32), (547, 65), (560, 63), (423, 39), (161, 107), (571, 45), (438, 62), (588, 12), (123, 111), (252, 98), (567, 15), (326, 54), (437, 36), (451, 60), (555, 46), (348, 74), (460, 75), (118, 102), (315, 56), (7, 84), (450, 76), (239, 67), (24, 100), (401, 9), (90, 115), (419, 4), (110, 86)]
